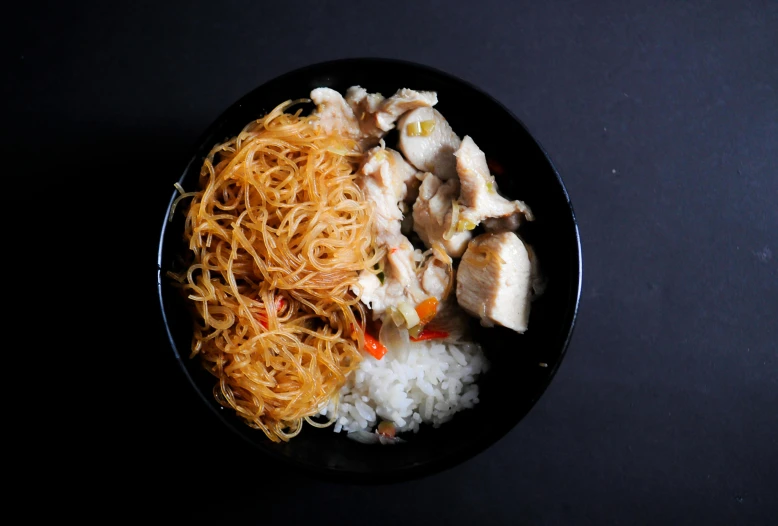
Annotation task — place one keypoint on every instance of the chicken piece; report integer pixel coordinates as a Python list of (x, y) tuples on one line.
[(433, 152), (394, 172), (383, 178), (494, 281), (335, 115), (478, 194), (362, 102), (365, 105), (404, 281), (370, 290), (401, 267), (386, 214), (402, 101), (401, 279), (401, 283), (432, 215), (435, 279), (376, 115), (379, 296)]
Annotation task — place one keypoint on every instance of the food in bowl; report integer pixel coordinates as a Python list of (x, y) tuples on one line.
[(332, 278)]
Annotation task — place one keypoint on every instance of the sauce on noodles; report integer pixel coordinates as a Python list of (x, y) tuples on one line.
[(278, 232)]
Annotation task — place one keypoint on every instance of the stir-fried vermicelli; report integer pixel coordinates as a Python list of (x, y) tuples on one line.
[(279, 231)]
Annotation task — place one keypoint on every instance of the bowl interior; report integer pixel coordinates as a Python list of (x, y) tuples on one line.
[(516, 378)]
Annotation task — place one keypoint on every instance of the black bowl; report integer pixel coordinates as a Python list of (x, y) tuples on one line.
[(522, 365)]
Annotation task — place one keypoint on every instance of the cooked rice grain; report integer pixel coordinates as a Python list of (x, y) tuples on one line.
[(426, 383)]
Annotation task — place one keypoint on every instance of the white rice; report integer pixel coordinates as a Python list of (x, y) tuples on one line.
[(428, 382)]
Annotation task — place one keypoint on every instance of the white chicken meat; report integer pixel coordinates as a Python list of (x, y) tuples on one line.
[(404, 100), (335, 115), (365, 117), (394, 172), (494, 281), (433, 215), (478, 194), (428, 142), (384, 177)]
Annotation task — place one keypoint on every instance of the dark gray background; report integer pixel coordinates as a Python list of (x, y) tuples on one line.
[(662, 118)]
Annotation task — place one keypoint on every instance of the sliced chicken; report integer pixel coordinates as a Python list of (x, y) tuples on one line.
[(401, 280), (435, 279), (404, 281), (365, 105), (393, 172), (398, 284), (428, 142), (371, 290), (494, 281), (376, 115), (432, 215), (401, 265), (402, 101), (383, 178), (381, 293), (387, 216), (478, 194), (335, 115)]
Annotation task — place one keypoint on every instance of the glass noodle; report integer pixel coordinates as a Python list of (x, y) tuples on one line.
[(278, 231)]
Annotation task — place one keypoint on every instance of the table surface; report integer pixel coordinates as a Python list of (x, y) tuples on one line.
[(662, 118)]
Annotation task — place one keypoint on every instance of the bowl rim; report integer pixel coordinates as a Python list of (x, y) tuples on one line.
[(412, 472)]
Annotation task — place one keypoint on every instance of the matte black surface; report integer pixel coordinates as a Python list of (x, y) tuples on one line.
[(516, 378), (662, 118)]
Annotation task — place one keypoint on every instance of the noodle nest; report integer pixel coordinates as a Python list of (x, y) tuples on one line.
[(278, 232)]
